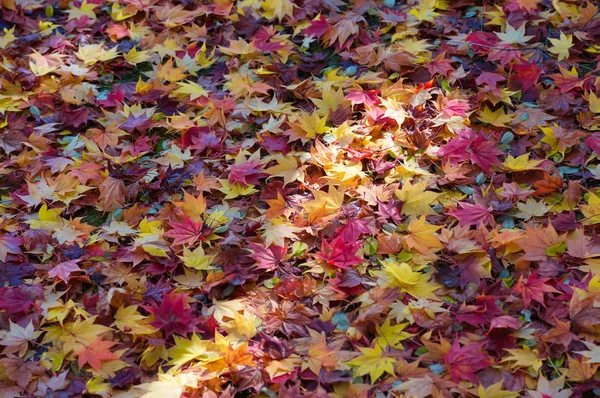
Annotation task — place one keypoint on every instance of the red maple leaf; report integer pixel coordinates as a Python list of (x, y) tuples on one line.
[(173, 315), (317, 27), (483, 153), (525, 74), (95, 353), (246, 173), (267, 258), (187, 232), (369, 98), (463, 362), (533, 288), (482, 312), (353, 228), (470, 214), (340, 253), (64, 270)]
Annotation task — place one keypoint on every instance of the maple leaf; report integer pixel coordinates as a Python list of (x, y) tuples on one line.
[(17, 338), (80, 333), (64, 270), (95, 353), (463, 362), (174, 315), (187, 232), (416, 199), (192, 206), (325, 203), (520, 163), (191, 89), (528, 5), (524, 358), (470, 214), (495, 391), (415, 283), (21, 371), (421, 236), (246, 173), (340, 253), (319, 354), (514, 36), (267, 258), (527, 74), (496, 118), (287, 167), (186, 350), (531, 209), (484, 154), (592, 354), (276, 231), (373, 362), (392, 336), (533, 288), (197, 259), (129, 320), (278, 8), (9, 244), (561, 46), (426, 386), (93, 53)]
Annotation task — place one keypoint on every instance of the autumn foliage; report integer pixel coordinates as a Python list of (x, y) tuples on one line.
[(299, 198)]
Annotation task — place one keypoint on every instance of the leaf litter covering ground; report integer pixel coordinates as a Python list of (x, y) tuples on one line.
[(311, 198)]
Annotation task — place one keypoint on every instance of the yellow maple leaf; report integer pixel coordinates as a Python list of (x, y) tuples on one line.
[(8, 38), (92, 53), (591, 210), (191, 89), (496, 118), (307, 126), (330, 102), (373, 362), (275, 231), (416, 200), (135, 57), (41, 65), (324, 204), (150, 238), (278, 9), (524, 358), (520, 163), (421, 236), (236, 189), (561, 46), (495, 391), (287, 167), (424, 11), (175, 157), (48, 219), (86, 9), (415, 283), (80, 333), (197, 259), (129, 320), (392, 336), (184, 350), (594, 102)]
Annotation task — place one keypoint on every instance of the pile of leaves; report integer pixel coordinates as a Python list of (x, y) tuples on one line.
[(317, 198)]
